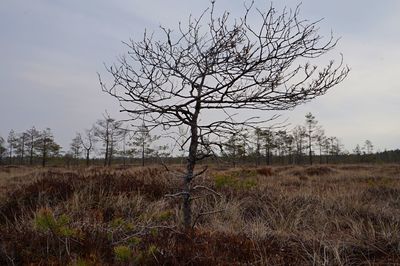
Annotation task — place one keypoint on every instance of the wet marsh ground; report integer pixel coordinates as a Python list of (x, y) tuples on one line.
[(288, 215)]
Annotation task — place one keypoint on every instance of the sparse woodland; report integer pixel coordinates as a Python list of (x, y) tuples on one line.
[(137, 145), (185, 180)]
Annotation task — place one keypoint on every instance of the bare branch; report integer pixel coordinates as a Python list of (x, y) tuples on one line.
[(223, 65)]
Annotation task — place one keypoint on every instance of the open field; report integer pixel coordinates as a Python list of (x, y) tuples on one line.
[(319, 215)]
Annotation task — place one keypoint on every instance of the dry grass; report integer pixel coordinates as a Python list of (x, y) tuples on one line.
[(320, 215)]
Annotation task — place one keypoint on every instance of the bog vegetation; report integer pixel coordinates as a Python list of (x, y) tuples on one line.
[(281, 215)]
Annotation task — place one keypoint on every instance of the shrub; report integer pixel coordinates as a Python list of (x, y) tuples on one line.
[(46, 222), (164, 215), (134, 240), (122, 253), (226, 180)]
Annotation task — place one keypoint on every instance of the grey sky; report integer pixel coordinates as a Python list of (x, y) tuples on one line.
[(51, 50)]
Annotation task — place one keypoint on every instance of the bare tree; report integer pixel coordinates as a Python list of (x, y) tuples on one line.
[(320, 138), (124, 138), (284, 145), (32, 135), (108, 131), (244, 145), (233, 148), (76, 147), (142, 141), (335, 146), (87, 143), (102, 133), (3, 149), (289, 143), (268, 138), (368, 147), (222, 65), (11, 141), (327, 148), (258, 135), (20, 146), (357, 152), (299, 134), (311, 125), (46, 145)]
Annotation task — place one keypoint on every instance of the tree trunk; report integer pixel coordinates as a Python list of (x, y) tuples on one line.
[(87, 157), (111, 153), (309, 148), (107, 151), (191, 163), (300, 159), (258, 155), (143, 154), (11, 152), (327, 157), (31, 153), (44, 155), (320, 154), (22, 151), (267, 156), (234, 156)]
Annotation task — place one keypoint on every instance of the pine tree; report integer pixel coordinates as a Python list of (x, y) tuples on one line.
[(311, 125), (142, 142)]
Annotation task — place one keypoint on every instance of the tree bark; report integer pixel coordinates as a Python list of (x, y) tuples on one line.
[(107, 148), (31, 152), (143, 153), (267, 155), (309, 148), (191, 163), (44, 154), (87, 157)]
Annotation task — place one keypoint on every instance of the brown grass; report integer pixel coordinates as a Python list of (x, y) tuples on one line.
[(319, 215), (265, 171)]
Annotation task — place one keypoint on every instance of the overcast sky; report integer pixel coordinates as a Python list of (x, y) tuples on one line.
[(50, 52)]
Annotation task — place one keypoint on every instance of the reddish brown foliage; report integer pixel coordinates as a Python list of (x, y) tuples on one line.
[(35, 248), (47, 191), (313, 171), (265, 171), (214, 248), (277, 221)]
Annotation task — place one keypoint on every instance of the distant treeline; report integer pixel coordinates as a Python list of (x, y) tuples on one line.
[(110, 141), (391, 156)]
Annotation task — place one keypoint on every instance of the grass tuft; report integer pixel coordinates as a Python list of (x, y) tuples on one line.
[(289, 215)]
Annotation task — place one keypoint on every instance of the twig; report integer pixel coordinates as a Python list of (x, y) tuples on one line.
[(145, 228), (177, 194), (208, 189), (203, 214), (164, 165), (201, 172)]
